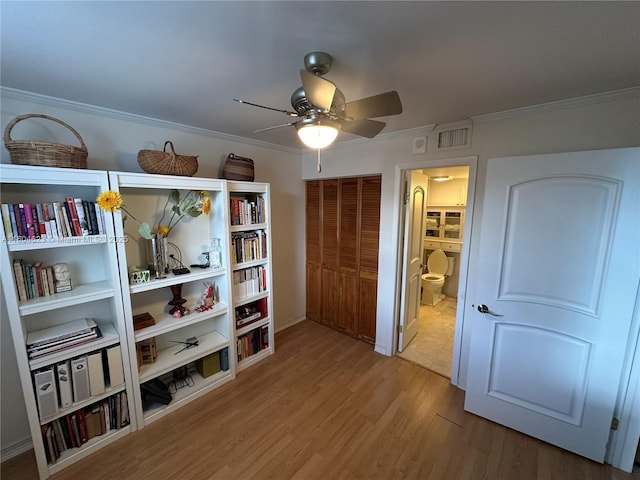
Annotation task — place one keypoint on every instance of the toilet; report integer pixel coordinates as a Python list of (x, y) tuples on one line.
[(438, 266)]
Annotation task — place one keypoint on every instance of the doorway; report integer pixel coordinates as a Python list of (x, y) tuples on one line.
[(443, 226), (447, 227)]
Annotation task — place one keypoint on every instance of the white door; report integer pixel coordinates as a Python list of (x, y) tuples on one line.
[(412, 258), (559, 263)]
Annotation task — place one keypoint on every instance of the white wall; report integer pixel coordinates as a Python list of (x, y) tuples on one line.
[(596, 122), (113, 140)]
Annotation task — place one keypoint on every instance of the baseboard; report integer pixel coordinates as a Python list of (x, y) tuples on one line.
[(291, 323), (16, 449)]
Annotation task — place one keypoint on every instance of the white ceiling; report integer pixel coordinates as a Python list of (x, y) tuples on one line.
[(185, 61)]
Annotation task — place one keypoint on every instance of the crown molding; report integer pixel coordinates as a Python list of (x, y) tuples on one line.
[(623, 94), (22, 95)]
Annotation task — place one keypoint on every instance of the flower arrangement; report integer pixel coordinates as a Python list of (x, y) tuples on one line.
[(193, 204)]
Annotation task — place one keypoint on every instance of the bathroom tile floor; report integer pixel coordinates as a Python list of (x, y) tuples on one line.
[(432, 347)]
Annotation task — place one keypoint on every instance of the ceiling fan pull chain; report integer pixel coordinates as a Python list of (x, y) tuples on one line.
[(319, 167)]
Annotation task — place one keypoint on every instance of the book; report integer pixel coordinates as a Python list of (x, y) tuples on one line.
[(63, 374), (60, 332), (96, 373), (18, 273), (114, 363), (25, 208), (102, 229), (93, 219), (19, 221), (14, 227), (36, 220), (6, 221), (83, 220), (60, 220), (74, 220)]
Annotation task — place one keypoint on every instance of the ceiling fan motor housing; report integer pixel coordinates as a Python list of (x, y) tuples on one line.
[(318, 62)]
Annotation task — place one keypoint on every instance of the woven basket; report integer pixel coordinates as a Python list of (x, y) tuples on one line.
[(44, 154), (238, 168), (167, 163)]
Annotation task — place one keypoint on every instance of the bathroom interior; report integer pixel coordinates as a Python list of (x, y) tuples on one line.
[(432, 347)]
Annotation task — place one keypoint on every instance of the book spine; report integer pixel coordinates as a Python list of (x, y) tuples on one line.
[(6, 221), (83, 219), (18, 272), (14, 226), (73, 217), (19, 220), (37, 220), (62, 229)]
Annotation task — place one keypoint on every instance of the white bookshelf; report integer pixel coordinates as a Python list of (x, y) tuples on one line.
[(101, 290), (96, 294), (144, 196), (243, 221)]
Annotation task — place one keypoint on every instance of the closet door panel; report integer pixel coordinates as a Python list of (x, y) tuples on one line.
[(367, 304)]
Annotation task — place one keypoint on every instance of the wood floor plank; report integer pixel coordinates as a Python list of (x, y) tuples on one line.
[(325, 406)]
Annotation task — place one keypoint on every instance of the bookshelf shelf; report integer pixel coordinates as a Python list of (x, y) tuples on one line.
[(41, 244), (93, 263), (89, 292), (255, 358), (167, 323), (84, 403), (252, 326), (109, 337), (172, 279), (96, 443), (248, 227), (170, 358), (250, 298), (200, 387)]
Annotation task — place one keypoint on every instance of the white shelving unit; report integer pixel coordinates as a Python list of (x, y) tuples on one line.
[(101, 290), (144, 197), (96, 294), (250, 252)]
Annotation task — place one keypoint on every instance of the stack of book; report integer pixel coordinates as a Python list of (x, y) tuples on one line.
[(249, 246), (60, 337), (247, 210), (33, 279)]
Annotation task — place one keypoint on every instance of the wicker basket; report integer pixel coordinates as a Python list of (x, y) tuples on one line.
[(167, 163), (238, 168), (44, 154)]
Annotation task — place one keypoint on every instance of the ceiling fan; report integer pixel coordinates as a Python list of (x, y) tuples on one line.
[(322, 111)]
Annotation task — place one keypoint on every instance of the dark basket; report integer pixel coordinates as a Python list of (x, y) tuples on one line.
[(238, 168)]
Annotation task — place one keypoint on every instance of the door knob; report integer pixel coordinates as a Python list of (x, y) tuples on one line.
[(484, 309)]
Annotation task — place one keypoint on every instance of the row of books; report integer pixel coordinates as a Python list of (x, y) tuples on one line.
[(248, 210), (63, 336), (253, 342), (249, 281), (77, 428), (34, 280), (72, 217), (248, 246)]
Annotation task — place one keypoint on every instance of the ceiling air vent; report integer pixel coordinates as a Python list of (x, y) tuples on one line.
[(454, 137)]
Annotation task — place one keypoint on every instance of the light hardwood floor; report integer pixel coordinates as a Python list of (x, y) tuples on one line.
[(326, 406)]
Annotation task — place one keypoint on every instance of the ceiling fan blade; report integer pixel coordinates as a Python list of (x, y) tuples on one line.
[(376, 106), (274, 127), (318, 91), (364, 128), (286, 112)]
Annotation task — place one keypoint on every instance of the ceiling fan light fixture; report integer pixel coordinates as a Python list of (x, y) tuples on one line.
[(317, 133)]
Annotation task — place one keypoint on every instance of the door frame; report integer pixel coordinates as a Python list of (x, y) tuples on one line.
[(399, 221)]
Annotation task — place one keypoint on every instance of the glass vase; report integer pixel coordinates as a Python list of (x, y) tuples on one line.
[(158, 255)]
